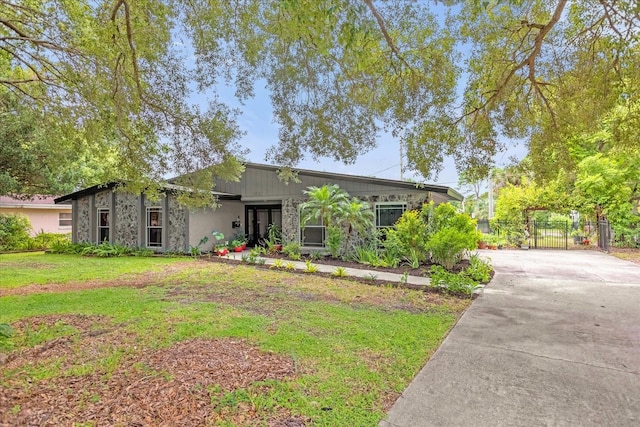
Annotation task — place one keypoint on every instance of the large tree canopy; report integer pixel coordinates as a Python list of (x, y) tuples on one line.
[(116, 76)]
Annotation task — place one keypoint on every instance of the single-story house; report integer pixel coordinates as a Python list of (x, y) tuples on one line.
[(43, 213), (247, 207)]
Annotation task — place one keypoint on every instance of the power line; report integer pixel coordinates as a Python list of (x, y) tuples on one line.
[(384, 170)]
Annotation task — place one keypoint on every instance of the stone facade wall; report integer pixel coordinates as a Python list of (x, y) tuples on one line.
[(414, 201), (128, 219), (103, 199), (83, 222), (177, 227), (290, 219)]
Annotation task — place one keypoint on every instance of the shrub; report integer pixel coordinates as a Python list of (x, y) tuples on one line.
[(408, 236), (453, 283), (335, 239), (103, 250), (292, 250), (14, 232), (478, 270), (69, 248), (449, 233), (49, 240)]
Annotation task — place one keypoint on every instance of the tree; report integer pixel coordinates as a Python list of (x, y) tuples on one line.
[(114, 73), (546, 71), (357, 217), (104, 78)]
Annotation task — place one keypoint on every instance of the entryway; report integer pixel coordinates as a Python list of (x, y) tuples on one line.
[(257, 221)]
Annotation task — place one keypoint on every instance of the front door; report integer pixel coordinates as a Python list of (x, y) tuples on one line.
[(257, 221)]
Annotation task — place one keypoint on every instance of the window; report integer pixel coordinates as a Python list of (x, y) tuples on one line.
[(313, 233), (64, 219), (103, 225), (388, 213), (154, 227)]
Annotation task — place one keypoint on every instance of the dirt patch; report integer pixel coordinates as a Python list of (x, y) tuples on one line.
[(629, 254), (189, 384), (134, 280)]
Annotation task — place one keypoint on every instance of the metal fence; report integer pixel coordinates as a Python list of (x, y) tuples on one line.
[(532, 234)]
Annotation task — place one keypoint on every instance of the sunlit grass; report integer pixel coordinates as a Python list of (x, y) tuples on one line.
[(38, 268)]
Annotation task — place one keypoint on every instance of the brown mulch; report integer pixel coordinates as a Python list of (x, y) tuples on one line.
[(177, 386)]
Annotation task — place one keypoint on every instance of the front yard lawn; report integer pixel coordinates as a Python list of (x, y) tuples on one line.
[(181, 342)]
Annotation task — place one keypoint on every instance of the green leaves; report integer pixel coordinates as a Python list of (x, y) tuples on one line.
[(330, 206)]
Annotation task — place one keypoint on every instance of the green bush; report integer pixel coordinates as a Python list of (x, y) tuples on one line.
[(334, 241), (453, 283), (292, 250), (478, 270), (68, 248), (449, 233), (368, 256), (104, 249), (44, 241), (14, 232), (408, 237)]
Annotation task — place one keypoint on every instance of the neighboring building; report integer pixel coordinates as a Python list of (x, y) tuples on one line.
[(42, 212), (247, 207)]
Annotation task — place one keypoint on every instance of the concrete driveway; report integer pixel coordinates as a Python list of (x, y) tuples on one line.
[(554, 340)]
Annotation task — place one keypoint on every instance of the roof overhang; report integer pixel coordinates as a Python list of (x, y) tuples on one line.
[(166, 188)]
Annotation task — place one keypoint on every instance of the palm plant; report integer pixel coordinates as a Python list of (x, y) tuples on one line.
[(358, 217), (324, 204)]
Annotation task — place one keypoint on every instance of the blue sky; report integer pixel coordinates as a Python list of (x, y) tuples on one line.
[(256, 119)]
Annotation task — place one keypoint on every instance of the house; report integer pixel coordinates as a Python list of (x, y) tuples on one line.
[(43, 213), (247, 207)]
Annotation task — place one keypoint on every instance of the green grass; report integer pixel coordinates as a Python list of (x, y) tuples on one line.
[(39, 268), (353, 345)]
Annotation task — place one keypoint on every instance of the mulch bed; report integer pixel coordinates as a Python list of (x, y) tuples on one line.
[(422, 271), (175, 386)]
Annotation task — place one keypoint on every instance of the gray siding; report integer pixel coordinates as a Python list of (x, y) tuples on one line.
[(262, 184)]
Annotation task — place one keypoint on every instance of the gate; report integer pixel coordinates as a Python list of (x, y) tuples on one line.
[(549, 235), (604, 235), (532, 234)]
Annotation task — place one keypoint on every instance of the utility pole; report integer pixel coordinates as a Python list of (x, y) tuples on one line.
[(490, 193), (401, 162)]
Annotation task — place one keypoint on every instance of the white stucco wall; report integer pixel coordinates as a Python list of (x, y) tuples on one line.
[(203, 221)]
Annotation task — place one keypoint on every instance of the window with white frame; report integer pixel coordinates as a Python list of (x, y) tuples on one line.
[(313, 232), (103, 225), (154, 227), (64, 219), (388, 213)]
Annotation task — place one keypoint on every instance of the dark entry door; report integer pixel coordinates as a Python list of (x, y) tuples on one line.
[(257, 221)]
